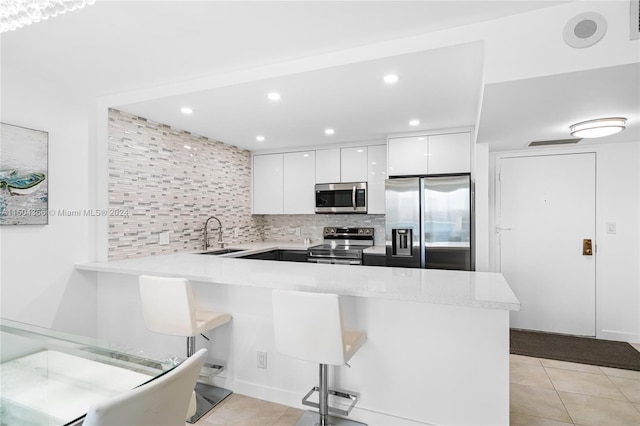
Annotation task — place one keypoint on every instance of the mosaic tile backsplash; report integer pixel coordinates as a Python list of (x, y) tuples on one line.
[(166, 182), (283, 227)]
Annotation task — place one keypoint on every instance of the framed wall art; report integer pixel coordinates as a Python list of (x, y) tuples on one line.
[(24, 192)]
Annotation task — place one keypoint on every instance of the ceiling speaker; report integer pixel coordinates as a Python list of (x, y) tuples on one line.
[(585, 30)]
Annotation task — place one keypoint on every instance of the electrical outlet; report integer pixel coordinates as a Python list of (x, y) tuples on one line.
[(297, 231), (163, 238), (236, 232), (262, 360)]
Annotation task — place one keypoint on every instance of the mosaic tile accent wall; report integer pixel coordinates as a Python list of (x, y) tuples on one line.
[(163, 179), (283, 227)]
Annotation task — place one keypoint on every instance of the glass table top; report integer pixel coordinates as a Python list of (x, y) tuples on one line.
[(49, 377)]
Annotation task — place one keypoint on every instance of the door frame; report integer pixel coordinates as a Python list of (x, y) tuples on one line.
[(495, 214)]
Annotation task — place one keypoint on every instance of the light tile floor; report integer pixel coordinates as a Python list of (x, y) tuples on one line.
[(543, 393)]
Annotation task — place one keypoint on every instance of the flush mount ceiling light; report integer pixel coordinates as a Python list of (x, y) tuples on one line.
[(186, 110), (18, 13), (390, 78), (274, 96), (598, 128), (260, 138), (329, 131), (414, 122)]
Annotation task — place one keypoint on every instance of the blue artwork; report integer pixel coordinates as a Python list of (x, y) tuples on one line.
[(24, 198)]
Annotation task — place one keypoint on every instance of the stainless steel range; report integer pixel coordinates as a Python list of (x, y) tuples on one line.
[(342, 246)]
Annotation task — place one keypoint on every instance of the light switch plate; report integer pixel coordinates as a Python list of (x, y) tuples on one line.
[(611, 227)]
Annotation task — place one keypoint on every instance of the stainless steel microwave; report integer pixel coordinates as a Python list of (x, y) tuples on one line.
[(341, 197)]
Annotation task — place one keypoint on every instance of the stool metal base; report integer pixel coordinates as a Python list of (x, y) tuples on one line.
[(207, 397), (312, 418)]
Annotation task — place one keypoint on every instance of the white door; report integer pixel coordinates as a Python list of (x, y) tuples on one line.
[(546, 210)]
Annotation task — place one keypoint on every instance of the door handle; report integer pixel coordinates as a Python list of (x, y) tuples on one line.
[(587, 248), (353, 197)]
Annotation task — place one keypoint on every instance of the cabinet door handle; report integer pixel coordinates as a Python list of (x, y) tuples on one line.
[(587, 247)]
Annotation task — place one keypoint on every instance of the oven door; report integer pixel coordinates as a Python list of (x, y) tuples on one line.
[(341, 197)]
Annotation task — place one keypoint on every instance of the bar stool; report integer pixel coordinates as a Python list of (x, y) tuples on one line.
[(308, 326), (169, 307)]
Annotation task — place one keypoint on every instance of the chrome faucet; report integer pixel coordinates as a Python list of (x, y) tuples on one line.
[(206, 234)]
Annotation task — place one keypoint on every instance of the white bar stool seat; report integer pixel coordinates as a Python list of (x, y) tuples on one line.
[(169, 307), (309, 326)]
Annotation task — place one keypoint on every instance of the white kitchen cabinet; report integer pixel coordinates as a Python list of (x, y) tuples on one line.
[(353, 164), (408, 156), (449, 153), (327, 165), (377, 172), (430, 154), (299, 182), (268, 187)]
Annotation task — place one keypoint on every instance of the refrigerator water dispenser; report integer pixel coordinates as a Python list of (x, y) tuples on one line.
[(402, 242)]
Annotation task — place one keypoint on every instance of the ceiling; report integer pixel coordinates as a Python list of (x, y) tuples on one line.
[(117, 47)]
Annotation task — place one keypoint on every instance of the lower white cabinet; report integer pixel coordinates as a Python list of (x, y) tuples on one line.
[(268, 190), (299, 182)]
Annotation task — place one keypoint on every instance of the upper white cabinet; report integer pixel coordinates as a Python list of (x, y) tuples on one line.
[(353, 164), (299, 182), (408, 155), (377, 171), (449, 153), (432, 154), (328, 165), (268, 187), (284, 183)]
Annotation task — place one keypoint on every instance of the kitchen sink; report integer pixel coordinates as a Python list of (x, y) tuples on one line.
[(222, 251)]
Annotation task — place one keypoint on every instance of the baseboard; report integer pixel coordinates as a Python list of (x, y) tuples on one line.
[(618, 336), (293, 399)]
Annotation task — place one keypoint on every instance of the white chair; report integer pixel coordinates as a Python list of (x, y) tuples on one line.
[(169, 307), (309, 326), (160, 402)]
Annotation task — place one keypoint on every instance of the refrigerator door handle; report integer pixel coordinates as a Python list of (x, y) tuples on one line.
[(422, 241)]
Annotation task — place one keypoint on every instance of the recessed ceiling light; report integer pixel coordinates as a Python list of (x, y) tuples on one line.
[(414, 122), (274, 96), (598, 128), (260, 138), (329, 132), (186, 110), (390, 78)]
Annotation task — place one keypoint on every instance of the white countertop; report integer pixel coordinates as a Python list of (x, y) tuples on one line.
[(487, 290)]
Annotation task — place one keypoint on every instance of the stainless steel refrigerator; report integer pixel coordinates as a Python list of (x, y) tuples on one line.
[(429, 222)]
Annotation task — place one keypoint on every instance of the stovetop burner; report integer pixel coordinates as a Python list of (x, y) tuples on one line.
[(340, 244)]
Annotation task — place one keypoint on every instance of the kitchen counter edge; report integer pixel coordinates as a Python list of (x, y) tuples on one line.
[(484, 290)]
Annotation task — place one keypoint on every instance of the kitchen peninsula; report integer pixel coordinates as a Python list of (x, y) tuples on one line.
[(438, 341)]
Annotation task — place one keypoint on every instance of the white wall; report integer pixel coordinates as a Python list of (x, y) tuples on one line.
[(617, 200), (37, 281)]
